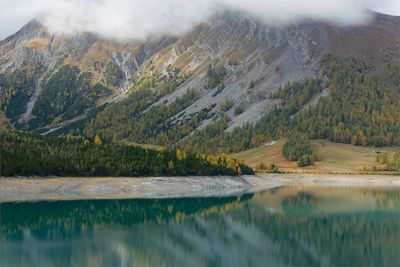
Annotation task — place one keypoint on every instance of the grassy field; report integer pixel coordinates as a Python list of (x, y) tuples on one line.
[(334, 158), (145, 146)]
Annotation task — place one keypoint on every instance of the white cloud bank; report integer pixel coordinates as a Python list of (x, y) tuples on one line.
[(131, 19)]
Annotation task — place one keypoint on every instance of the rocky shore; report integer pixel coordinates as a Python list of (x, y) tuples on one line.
[(66, 188)]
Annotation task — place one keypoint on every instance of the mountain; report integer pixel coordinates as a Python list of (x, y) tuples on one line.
[(167, 89), (47, 79), (261, 59)]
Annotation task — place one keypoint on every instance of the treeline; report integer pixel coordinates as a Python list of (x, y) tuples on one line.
[(25, 154), (358, 111)]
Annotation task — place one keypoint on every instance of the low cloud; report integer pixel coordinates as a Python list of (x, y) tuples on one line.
[(139, 19)]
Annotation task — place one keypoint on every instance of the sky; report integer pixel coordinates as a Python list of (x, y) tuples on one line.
[(139, 19)]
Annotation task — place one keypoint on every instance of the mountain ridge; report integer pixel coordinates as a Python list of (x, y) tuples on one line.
[(258, 61)]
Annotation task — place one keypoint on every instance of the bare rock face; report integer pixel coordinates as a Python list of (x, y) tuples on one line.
[(258, 60), (50, 81)]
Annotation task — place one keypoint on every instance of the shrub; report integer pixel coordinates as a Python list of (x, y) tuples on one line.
[(215, 76), (226, 105), (271, 168), (239, 110)]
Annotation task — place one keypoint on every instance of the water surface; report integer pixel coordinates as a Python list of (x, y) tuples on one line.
[(285, 226)]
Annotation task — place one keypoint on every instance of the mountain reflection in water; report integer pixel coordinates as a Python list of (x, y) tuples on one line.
[(296, 225)]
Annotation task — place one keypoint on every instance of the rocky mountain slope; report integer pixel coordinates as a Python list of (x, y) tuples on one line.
[(231, 66), (46, 79)]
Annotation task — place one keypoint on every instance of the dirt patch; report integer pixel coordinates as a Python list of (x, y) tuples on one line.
[(39, 44)]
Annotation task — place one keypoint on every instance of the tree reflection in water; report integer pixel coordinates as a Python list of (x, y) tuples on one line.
[(280, 227)]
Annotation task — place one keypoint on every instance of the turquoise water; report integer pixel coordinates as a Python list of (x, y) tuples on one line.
[(287, 226)]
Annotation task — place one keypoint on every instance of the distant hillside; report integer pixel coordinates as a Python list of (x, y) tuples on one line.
[(166, 91), (50, 80), (348, 106)]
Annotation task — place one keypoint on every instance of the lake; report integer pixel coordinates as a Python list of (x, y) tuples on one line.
[(284, 226)]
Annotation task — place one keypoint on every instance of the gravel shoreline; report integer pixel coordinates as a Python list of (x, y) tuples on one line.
[(36, 189), (66, 188)]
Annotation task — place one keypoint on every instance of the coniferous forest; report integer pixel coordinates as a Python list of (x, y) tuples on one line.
[(25, 154)]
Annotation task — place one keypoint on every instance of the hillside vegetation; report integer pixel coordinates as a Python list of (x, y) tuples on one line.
[(136, 119), (358, 111), (24, 154), (388, 161), (67, 94), (4, 123)]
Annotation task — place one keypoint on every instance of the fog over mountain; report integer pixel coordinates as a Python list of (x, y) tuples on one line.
[(139, 19)]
